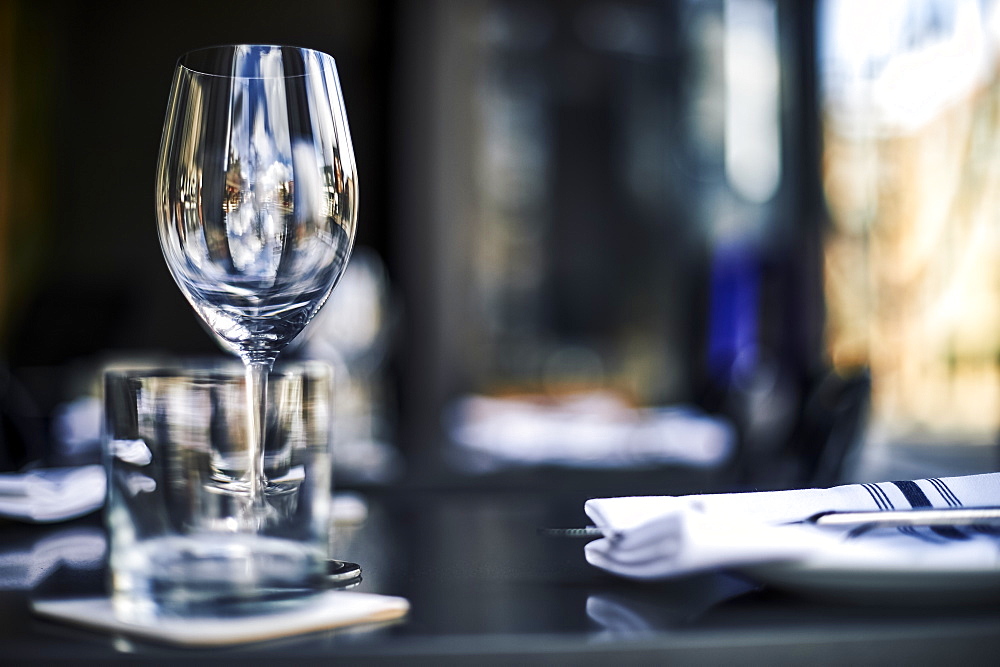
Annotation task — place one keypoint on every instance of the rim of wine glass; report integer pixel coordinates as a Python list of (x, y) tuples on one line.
[(222, 47)]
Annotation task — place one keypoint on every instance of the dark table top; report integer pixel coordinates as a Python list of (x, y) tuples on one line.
[(487, 589)]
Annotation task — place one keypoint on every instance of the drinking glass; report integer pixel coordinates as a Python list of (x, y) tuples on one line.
[(174, 439), (256, 201)]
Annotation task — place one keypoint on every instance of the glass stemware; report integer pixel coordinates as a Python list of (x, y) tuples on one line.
[(256, 202)]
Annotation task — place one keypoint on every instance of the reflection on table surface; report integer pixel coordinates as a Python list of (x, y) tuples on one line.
[(485, 585)]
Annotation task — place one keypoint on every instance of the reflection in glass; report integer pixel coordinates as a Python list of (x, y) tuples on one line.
[(256, 191)]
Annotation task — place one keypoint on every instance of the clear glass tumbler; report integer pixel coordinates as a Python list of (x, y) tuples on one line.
[(185, 537)]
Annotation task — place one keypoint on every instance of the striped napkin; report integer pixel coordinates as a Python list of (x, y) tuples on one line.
[(656, 537)]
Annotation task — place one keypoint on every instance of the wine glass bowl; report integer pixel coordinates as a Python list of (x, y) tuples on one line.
[(256, 191)]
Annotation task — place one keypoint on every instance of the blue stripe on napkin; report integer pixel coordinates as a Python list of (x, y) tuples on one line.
[(945, 492), (917, 498)]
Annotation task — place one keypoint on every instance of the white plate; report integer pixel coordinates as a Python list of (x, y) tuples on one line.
[(881, 584)]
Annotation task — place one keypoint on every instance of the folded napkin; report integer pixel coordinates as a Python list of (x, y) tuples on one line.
[(53, 494), (666, 536), (586, 430)]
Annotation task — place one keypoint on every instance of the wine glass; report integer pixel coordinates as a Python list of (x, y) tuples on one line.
[(256, 203)]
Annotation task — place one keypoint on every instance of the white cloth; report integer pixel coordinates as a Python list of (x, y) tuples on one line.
[(52, 494), (656, 537), (587, 430)]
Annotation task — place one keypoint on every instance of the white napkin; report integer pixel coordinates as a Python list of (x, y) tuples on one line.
[(52, 494), (657, 537), (587, 430)]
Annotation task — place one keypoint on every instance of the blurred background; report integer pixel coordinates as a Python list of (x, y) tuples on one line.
[(752, 241)]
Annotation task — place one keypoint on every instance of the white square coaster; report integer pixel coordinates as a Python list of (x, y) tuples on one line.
[(333, 609)]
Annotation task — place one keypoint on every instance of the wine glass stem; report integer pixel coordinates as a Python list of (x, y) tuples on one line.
[(256, 374)]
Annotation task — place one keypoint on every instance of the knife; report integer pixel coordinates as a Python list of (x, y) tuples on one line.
[(916, 516)]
